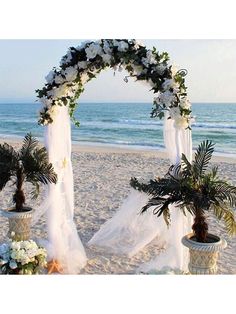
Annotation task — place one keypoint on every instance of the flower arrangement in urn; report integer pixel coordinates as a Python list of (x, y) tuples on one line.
[(29, 164), (22, 257), (189, 186)]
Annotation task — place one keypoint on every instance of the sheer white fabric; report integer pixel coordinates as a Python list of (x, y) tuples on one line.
[(127, 232), (64, 243)]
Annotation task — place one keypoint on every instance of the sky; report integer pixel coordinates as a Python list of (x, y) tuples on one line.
[(211, 66)]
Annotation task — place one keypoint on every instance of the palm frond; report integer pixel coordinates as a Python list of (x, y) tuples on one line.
[(202, 157), (8, 163), (29, 144), (228, 216)]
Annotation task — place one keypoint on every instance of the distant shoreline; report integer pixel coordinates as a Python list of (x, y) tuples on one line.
[(125, 149)]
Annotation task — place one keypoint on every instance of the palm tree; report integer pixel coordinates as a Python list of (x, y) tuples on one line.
[(192, 189), (29, 164)]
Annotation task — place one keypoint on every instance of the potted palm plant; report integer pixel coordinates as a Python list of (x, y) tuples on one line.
[(29, 164), (194, 189)]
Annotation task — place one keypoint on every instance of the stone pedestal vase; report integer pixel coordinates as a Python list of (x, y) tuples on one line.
[(203, 256), (19, 223)]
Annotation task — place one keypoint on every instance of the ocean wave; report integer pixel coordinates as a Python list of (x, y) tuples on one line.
[(213, 126)]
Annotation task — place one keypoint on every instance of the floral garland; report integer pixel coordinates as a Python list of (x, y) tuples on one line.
[(83, 63)]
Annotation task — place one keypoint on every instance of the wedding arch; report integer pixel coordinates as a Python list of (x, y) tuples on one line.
[(59, 99)]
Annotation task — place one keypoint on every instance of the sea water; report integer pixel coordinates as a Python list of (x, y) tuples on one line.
[(126, 124)]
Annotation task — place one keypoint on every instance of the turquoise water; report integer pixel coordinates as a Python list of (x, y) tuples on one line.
[(126, 124)]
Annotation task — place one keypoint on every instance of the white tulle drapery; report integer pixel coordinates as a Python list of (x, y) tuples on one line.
[(127, 232), (64, 244)]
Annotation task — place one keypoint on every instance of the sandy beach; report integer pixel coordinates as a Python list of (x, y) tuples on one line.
[(101, 181)]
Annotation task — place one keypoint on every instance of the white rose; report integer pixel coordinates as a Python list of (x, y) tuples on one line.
[(82, 64), (50, 77), (59, 79), (137, 44), (122, 46), (174, 112), (58, 92), (13, 264), (181, 122), (106, 47), (15, 245), (170, 83), (45, 101), (70, 73), (150, 59), (67, 58), (93, 50), (106, 58), (185, 103), (161, 68), (166, 98)]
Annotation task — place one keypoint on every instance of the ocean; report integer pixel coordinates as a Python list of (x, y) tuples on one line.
[(127, 124)]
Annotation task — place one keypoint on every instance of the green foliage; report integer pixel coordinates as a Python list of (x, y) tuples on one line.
[(29, 164), (193, 189)]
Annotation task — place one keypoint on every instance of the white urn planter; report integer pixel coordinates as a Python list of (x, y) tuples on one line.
[(19, 223), (203, 256)]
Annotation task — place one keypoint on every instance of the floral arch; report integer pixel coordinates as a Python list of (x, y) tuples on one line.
[(58, 97)]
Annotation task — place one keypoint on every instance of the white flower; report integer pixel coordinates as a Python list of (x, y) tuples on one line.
[(185, 103), (106, 58), (59, 79), (3, 248), (70, 73), (93, 50), (122, 46), (137, 44), (53, 111), (67, 58), (15, 245), (181, 122), (58, 92), (150, 59), (160, 68), (166, 98), (137, 69), (174, 112), (50, 77), (106, 47), (82, 64), (13, 264), (45, 101), (84, 78), (171, 83)]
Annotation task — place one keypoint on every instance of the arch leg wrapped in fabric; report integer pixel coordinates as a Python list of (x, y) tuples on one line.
[(128, 232)]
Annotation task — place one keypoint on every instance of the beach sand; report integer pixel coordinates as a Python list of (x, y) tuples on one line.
[(101, 182)]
